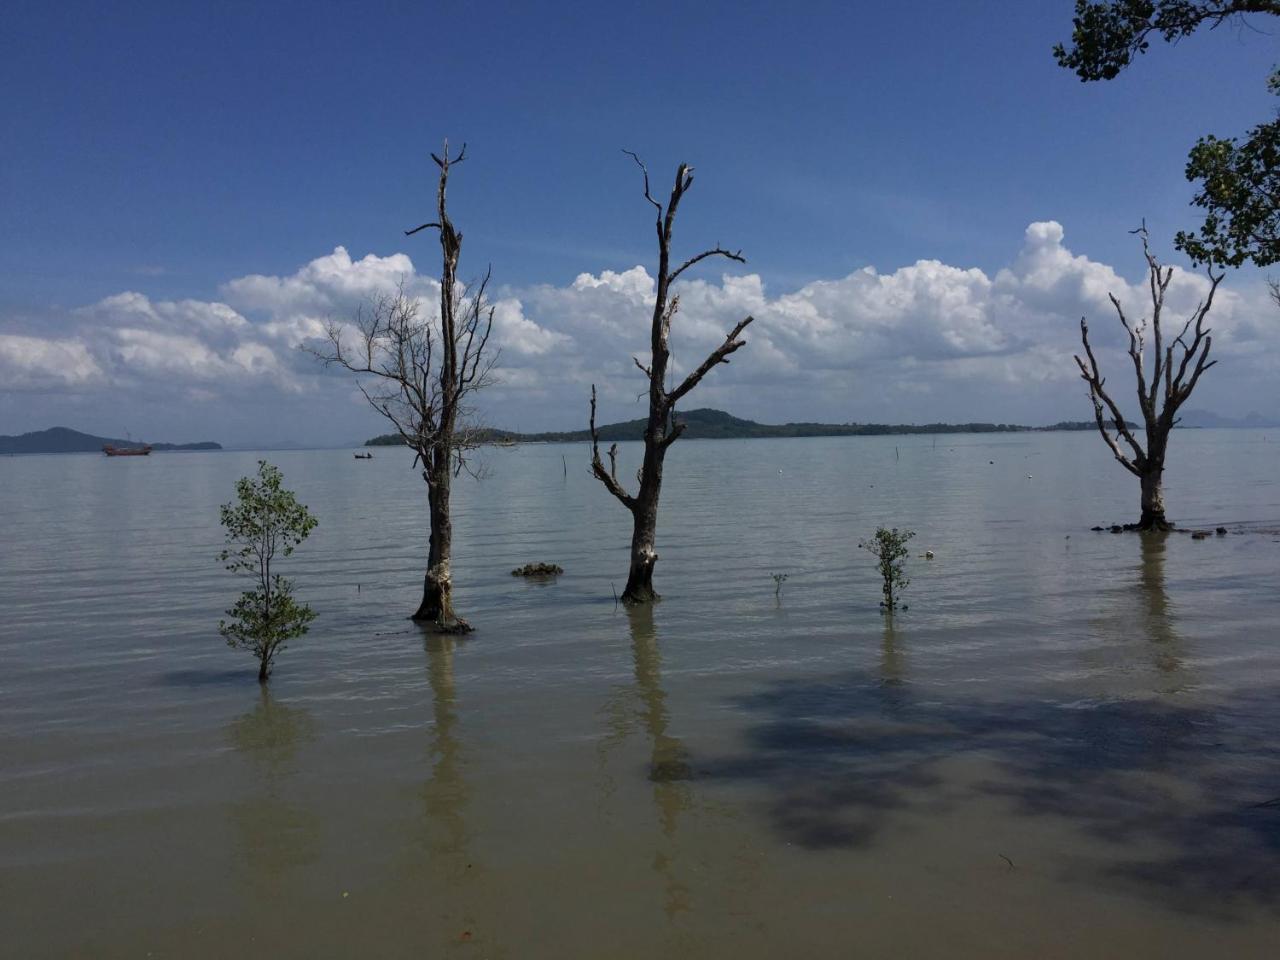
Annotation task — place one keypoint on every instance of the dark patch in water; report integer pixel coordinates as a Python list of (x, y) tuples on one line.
[(844, 756), (204, 678), (670, 771)]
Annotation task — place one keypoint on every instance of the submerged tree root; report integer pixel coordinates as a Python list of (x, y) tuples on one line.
[(455, 627), (1196, 534)]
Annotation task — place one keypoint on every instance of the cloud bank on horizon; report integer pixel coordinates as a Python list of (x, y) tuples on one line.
[(927, 342)]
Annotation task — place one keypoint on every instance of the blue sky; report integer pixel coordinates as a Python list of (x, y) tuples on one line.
[(170, 149)]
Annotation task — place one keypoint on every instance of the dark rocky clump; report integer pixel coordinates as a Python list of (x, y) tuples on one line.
[(538, 570), (1138, 528)]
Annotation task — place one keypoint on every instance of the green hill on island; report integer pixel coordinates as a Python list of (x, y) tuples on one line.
[(708, 424), (66, 440)]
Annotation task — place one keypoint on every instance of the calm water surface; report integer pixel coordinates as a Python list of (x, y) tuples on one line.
[(1065, 747)]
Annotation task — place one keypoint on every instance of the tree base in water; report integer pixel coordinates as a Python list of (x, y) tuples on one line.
[(1154, 526), (442, 625), (639, 587), (638, 593), (436, 614)]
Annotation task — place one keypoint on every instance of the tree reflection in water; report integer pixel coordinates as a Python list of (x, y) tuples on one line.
[(1158, 612), (443, 839), (1139, 651), (444, 794), (274, 835), (642, 707), (669, 769), (893, 661)]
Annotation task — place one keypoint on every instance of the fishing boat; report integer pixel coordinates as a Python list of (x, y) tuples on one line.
[(112, 451), (363, 456)]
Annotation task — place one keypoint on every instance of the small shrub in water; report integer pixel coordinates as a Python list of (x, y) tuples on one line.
[(889, 547), (264, 522)]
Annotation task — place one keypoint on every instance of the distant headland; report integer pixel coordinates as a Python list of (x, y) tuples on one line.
[(66, 440), (708, 424)]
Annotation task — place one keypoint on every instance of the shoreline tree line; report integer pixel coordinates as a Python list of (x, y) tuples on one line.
[(707, 424)]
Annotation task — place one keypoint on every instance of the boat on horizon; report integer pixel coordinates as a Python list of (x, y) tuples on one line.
[(114, 451)]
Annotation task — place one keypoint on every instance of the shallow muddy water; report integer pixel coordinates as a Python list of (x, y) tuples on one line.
[(1066, 746)]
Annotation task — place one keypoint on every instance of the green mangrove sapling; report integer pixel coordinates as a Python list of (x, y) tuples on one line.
[(889, 547), (264, 522)]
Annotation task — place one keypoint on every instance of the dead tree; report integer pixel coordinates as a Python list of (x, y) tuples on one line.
[(662, 429), (1178, 366), (418, 373)]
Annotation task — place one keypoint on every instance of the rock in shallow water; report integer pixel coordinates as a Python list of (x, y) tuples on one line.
[(538, 570)]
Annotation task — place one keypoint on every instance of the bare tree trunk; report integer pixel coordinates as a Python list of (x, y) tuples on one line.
[(437, 586), (1153, 517), (662, 429), (644, 536), (1151, 479)]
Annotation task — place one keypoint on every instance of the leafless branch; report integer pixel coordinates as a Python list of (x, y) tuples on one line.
[(674, 429), (717, 251), (445, 162), (645, 170), (608, 477), (418, 372), (1195, 355), (719, 355), (1137, 346), (1098, 396)]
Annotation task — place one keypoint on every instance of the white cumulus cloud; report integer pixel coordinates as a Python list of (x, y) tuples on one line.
[(927, 341), (37, 363)]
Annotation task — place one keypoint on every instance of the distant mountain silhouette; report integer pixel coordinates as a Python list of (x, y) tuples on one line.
[(1207, 418), (708, 424), (66, 440)]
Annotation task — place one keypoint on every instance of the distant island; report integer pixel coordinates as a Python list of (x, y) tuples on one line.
[(66, 440), (1206, 419), (707, 424)]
